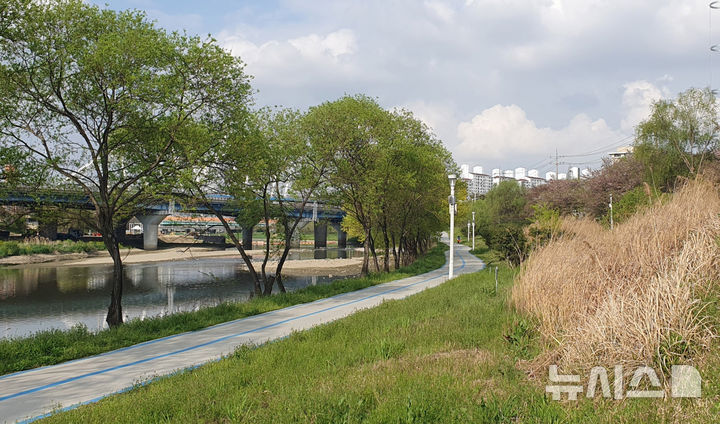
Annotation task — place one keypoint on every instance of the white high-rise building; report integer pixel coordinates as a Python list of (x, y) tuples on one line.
[(574, 173), (479, 185), (465, 171)]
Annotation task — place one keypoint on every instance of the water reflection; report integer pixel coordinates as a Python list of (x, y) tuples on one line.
[(44, 297)]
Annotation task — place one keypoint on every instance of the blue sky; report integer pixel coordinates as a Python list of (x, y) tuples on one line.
[(502, 82)]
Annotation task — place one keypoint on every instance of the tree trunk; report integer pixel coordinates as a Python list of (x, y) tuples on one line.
[(386, 259), (267, 281), (374, 254), (278, 280), (366, 255), (257, 290), (114, 316), (396, 257)]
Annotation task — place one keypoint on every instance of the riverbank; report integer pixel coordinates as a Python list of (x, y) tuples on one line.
[(40, 250), (438, 356), (53, 347), (349, 266), (453, 354)]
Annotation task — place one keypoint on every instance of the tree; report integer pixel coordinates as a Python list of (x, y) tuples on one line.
[(388, 172), (685, 128), (103, 98), (506, 203), (349, 131), (413, 205), (253, 162), (500, 219)]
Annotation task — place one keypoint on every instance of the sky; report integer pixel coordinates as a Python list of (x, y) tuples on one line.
[(503, 83)]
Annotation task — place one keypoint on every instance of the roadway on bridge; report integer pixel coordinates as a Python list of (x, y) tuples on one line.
[(29, 395)]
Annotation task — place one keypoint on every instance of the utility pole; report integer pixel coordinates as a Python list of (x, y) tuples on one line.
[(611, 213), (473, 230), (451, 202), (557, 165)]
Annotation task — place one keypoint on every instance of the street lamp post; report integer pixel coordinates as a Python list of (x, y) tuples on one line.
[(468, 231), (473, 225), (451, 202)]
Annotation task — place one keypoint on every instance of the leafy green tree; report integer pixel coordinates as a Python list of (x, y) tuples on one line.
[(350, 130), (253, 162), (684, 130), (501, 217), (506, 203), (414, 204), (103, 98)]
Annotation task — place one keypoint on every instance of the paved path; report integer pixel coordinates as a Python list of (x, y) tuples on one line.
[(33, 394)]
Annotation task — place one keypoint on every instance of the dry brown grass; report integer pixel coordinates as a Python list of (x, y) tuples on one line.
[(631, 295)]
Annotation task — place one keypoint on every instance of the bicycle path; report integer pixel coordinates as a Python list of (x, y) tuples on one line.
[(29, 395)]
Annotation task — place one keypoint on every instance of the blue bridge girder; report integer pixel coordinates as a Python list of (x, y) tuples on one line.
[(221, 202)]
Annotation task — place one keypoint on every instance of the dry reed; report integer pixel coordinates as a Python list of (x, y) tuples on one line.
[(631, 295)]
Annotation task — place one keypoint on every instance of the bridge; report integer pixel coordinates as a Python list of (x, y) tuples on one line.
[(153, 214)]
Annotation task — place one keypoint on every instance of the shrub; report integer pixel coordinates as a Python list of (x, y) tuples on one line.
[(510, 242), (545, 226), (13, 248)]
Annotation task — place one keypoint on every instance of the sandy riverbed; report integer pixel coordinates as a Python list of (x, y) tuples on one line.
[(136, 256)]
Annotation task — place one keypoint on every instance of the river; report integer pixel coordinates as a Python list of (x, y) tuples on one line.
[(42, 297)]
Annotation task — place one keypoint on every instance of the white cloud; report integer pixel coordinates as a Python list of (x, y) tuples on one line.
[(440, 118), (310, 64), (503, 132), (557, 63), (637, 101), (333, 45), (444, 12), (312, 47)]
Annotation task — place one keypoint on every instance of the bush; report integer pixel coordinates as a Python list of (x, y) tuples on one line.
[(510, 242), (545, 227), (13, 248), (630, 203)]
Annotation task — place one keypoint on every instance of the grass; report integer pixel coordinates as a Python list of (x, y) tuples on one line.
[(448, 354), (55, 346), (14, 248)]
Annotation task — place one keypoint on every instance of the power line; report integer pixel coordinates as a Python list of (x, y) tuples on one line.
[(600, 149), (540, 163)]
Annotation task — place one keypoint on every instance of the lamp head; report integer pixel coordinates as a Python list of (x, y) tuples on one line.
[(452, 179)]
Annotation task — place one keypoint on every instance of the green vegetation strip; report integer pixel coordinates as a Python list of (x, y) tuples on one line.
[(448, 354), (52, 347), (14, 248)]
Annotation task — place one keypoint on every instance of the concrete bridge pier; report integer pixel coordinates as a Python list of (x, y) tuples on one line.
[(295, 238), (150, 229), (121, 230), (48, 230), (320, 234), (342, 235), (247, 235)]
